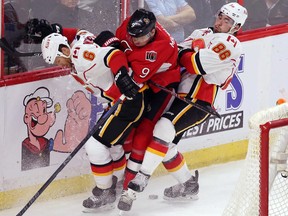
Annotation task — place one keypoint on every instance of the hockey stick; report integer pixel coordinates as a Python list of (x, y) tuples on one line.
[(207, 109), (73, 153), (13, 52)]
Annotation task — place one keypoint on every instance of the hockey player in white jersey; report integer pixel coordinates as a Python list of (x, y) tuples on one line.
[(210, 57), (104, 72)]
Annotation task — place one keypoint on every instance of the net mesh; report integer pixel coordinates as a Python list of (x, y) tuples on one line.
[(245, 198)]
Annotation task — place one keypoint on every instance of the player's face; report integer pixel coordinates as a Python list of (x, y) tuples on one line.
[(143, 40), (223, 23), (63, 62)]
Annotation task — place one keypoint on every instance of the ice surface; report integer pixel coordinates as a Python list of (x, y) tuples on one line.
[(216, 185)]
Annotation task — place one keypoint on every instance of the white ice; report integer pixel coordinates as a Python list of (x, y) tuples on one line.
[(216, 186)]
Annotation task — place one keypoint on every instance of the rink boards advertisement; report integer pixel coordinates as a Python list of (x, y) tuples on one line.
[(260, 81), (55, 113)]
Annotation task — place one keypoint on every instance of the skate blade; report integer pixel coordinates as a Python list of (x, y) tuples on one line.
[(101, 209), (125, 213), (182, 199)]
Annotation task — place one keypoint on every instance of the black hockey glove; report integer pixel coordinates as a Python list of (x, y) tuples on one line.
[(107, 38), (182, 51), (126, 84), (37, 29)]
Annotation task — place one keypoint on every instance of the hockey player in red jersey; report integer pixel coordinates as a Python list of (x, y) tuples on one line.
[(152, 55), (150, 50), (104, 72), (211, 57)]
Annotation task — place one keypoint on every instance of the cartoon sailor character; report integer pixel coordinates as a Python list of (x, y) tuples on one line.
[(36, 147)]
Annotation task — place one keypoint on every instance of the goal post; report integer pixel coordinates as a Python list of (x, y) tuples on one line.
[(264, 162), (262, 188)]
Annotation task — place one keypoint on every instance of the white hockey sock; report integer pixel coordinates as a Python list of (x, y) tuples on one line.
[(154, 155)]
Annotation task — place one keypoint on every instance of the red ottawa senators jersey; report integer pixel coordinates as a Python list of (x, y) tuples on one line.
[(156, 61)]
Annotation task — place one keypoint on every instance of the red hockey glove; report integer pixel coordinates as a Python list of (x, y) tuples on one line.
[(198, 44), (107, 38)]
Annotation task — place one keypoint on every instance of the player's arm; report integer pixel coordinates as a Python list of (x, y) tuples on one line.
[(189, 57), (107, 38), (190, 60), (117, 62), (221, 51), (37, 29)]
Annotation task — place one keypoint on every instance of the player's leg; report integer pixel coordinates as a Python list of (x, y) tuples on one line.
[(142, 137), (134, 162), (139, 145), (154, 154), (179, 118), (127, 145), (158, 102), (175, 164), (119, 164), (121, 122), (103, 159), (102, 169)]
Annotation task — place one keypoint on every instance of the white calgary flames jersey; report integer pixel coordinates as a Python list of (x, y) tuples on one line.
[(91, 63), (216, 63)]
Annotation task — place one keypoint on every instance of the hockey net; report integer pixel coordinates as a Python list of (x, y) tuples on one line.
[(263, 182)]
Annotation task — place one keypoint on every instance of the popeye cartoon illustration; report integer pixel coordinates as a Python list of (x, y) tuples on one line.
[(36, 147)]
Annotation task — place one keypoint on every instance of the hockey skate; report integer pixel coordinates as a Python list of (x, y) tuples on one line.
[(139, 183), (187, 191), (126, 200), (102, 198), (119, 188)]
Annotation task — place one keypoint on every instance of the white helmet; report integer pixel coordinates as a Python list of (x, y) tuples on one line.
[(50, 47), (236, 12)]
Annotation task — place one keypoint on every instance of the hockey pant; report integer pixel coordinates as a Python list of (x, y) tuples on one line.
[(105, 148), (143, 133)]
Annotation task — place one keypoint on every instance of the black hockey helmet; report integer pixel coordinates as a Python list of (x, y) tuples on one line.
[(141, 23)]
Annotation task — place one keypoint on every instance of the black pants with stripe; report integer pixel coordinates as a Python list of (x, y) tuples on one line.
[(118, 126), (185, 116)]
